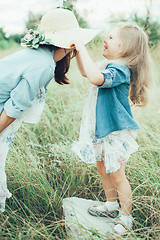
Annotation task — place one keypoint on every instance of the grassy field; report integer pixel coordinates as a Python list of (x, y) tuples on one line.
[(42, 170)]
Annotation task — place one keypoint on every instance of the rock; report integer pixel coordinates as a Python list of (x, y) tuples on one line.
[(80, 224)]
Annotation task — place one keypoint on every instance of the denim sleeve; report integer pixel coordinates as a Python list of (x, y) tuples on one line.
[(114, 77), (22, 96)]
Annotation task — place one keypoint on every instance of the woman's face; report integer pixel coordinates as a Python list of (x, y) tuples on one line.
[(112, 45)]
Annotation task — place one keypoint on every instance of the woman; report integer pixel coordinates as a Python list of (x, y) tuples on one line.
[(25, 75)]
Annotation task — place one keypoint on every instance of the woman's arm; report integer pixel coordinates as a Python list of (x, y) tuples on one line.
[(92, 72), (5, 120)]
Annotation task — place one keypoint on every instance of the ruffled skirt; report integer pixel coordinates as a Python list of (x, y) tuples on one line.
[(114, 149)]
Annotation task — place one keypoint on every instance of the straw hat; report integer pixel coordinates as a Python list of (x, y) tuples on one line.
[(61, 27)]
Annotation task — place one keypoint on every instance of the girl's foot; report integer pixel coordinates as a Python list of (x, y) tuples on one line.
[(123, 225), (108, 209)]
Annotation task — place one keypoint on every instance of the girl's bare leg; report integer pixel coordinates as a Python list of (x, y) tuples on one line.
[(123, 189), (111, 182), (107, 182)]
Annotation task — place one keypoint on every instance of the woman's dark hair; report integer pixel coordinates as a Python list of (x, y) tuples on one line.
[(62, 66)]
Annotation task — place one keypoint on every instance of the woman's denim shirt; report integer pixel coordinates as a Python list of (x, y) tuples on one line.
[(22, 74), (113, 112)]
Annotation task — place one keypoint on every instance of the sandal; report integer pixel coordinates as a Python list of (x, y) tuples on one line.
[(96, 212), (114, 232)]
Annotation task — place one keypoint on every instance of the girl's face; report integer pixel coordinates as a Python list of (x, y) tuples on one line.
[(112, 45)]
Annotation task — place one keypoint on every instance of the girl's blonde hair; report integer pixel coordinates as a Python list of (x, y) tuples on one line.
[(135, 55)]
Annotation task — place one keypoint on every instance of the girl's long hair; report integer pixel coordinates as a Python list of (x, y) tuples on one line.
[(135, 55)]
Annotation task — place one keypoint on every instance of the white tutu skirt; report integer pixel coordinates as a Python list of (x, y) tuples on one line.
[(32, 115), (114, 149)]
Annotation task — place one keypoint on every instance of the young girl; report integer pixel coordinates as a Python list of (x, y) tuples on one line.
[(108, 130), (25, 75)]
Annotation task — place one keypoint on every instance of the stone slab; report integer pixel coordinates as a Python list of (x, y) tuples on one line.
[(80, 224)]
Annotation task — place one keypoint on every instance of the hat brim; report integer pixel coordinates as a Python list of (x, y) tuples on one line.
[(64, 39)]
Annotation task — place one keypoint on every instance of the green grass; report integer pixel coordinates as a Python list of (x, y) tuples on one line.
[(42, 170)]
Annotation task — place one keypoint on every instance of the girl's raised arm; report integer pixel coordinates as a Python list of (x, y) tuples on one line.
[(80, 65), (87, 65)]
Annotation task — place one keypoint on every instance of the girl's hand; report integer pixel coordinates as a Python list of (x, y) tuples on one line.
[(72, 46), (78, 45)]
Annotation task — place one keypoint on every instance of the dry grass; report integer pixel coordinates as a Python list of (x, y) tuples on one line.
[(42, 170)]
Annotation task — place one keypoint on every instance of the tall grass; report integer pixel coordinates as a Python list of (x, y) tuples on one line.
[(42, 170)]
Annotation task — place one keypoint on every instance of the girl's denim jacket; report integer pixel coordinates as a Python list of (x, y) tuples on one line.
[(21, 77), (113, 112)]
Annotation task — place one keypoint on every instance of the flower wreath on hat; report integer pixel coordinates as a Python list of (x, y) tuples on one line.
[(34, 38)]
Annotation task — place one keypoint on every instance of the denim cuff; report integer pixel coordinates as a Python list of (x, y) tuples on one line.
[(108, 78)]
